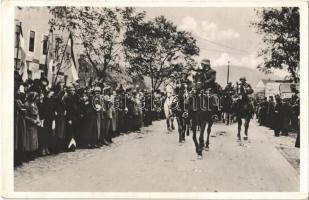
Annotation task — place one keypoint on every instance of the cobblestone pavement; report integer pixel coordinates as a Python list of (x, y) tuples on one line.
[(154, 161)]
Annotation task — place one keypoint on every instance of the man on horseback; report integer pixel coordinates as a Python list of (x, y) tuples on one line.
[(203, 104), (228, 92), (244, 108), (182, 91), (210, 76)]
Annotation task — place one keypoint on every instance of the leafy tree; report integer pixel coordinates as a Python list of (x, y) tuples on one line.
[(96, 29), (280, 30), (157, 49)]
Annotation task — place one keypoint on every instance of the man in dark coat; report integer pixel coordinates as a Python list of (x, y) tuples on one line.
[(263, 111), (286, 114), (277, 126), (72, 116), (47, 115), (210, 76), (270, 112)]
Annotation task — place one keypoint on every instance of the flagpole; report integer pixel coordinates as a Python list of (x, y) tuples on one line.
[(18, 46), (62, 58)]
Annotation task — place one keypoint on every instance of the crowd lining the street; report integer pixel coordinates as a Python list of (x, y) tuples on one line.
[(279, 114), (46, 119)]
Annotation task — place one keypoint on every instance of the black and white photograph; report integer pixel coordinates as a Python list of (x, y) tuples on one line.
[(166, 99)]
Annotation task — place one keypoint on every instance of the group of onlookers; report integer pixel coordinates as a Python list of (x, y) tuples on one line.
[(51, 120), (279, 114)]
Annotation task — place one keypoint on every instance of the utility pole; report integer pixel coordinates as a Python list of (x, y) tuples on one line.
[(228, 72)]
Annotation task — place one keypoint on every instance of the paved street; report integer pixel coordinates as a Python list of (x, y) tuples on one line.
[(153, 161)]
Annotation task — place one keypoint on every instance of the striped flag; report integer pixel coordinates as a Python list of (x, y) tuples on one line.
[(50, 59), (73, 64), (22, 49)]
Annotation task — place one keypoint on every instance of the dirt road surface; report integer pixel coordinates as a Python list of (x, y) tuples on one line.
[(154, 161)]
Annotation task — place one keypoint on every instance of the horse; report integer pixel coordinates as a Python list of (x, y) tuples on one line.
[(227, 108), (179, 108), (169, 115), (243, 109), (203, 106)]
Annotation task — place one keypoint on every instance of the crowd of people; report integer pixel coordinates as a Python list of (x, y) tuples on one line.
[(279, 114), (51, 120)]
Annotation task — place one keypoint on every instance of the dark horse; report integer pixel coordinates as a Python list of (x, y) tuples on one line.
[(203, 105), (179, 107), (227, 108), (243, 108)]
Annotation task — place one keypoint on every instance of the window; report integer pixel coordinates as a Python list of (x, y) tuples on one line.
[(42, 66), (31, 41), (45, 44)]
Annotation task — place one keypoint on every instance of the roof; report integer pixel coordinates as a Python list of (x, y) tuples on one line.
[(286, 87), (265, 81)]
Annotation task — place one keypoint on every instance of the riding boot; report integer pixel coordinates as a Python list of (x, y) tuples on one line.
[(168, 124), (201, 141)]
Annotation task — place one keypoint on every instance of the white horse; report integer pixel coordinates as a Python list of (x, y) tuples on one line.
[(167, 108)]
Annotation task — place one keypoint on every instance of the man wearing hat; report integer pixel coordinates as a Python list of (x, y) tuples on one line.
[(210, 75), (244, 87)]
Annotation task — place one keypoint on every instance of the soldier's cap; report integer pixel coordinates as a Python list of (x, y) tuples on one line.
[(205, 62), (242, 78)]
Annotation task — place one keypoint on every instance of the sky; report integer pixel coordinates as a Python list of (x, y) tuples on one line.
[(223, 34)]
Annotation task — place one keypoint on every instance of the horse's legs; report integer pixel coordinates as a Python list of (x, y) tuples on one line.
[(179, 128), (187, 127), (247, 121), (239, 120), (194, 125), (226, 118), (172, 123), (201, 137), (183, 132), (208, 133), (168, 123)]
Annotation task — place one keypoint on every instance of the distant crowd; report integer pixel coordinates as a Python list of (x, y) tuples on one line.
[(281, 115)]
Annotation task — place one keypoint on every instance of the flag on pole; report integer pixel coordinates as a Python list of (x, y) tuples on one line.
[(73, 64), (50, 59), (22, 49)]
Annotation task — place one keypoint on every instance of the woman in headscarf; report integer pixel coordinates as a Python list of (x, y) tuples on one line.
[(19, 124), (32, 124)]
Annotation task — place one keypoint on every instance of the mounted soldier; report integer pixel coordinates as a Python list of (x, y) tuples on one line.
[(227, 101), (169, 115), (203, 106), (244, 107)]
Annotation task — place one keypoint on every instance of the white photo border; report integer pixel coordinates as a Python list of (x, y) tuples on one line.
[(7, 85)]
